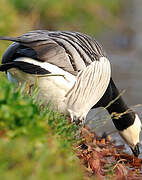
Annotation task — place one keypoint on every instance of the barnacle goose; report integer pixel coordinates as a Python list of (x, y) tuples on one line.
[(73, 73)]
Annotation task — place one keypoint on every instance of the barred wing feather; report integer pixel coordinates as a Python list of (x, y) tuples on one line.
[(75, 53), (89, 87)]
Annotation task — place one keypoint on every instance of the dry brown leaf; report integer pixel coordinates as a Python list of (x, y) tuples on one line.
[(97, 153), (121, 172), (103, 141), (2, 133), (136, 163)]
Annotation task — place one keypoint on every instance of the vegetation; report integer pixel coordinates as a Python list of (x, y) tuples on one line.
[(92, 16), (35, 143)]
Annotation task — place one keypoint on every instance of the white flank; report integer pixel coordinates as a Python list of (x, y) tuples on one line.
[(52, 88), (132, 133), (68, 93), (89, 87)]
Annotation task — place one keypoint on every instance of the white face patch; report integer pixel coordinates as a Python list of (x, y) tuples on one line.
[(131, 134)]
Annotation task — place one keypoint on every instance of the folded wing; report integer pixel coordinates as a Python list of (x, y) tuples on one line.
[(90, 86)]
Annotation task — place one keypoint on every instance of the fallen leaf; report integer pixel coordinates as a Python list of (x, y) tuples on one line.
[(99, 154)]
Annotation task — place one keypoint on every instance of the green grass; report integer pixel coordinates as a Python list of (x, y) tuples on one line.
[(35, 142)]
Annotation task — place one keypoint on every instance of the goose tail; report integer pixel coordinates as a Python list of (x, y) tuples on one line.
[(6, 38), (5, 67)]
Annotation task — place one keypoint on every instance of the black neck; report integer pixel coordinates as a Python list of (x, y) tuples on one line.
[(117, 106)]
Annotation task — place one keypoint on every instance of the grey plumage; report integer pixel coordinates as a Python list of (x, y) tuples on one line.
[(73, 52), (68, 45), (73, 75)]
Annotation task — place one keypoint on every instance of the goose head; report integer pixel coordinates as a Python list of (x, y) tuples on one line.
[(131, 135)]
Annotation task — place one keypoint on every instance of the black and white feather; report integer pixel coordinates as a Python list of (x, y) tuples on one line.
[(77, 57), (73, 75)]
